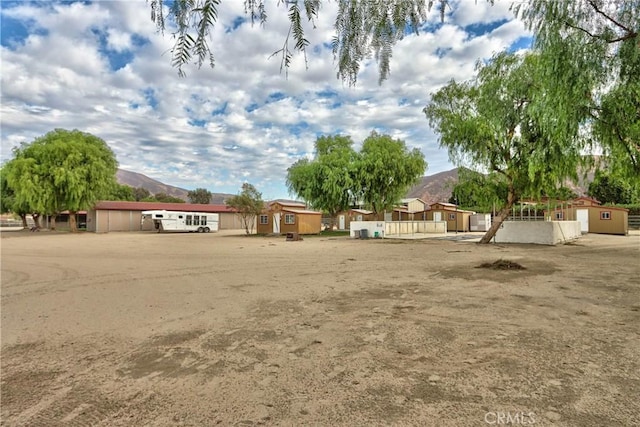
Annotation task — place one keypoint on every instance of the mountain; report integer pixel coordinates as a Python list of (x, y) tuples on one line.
[(134, 179), (435, 188), (438, 187)]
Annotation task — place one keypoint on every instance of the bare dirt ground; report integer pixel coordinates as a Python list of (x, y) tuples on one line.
[(132, 329)]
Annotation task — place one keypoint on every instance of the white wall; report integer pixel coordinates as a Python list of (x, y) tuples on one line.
[(538, 232), (371, 226), (398, 227)]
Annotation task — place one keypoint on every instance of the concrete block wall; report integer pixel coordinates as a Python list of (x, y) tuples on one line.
[(538, 232)]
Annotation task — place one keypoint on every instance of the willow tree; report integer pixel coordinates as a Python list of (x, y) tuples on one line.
[(363, 29), (387, 168), (62, 170), (589, 53), (490, 122), (327, 182), (8, 202), (248, 204)]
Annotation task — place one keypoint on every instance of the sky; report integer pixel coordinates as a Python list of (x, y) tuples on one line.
[(103, 68)]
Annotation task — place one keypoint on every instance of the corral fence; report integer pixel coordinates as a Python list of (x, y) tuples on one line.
[(634, 222)]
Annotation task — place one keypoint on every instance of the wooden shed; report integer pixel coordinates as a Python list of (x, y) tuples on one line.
[(280, 217), (344, 218), (109, 216), (593, 217), (457, 219)]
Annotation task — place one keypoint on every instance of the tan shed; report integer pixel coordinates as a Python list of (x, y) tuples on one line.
[(593, 217), (457, 219), (280, 217)]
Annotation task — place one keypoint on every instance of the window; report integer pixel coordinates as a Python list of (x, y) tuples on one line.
[(203, 220), (196, 220), (189, 220), (264, 219), (452, 216), (605, 215), (289, 219), (180, 216), (159, 216), (559, 215)]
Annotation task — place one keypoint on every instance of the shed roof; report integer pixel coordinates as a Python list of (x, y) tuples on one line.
[(150, 206), (301, 211), (362, 211)]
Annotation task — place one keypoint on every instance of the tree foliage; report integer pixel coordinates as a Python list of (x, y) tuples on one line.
[(200, 196), (590, 54), (326, 182), (479, 191), (140, 193), (62, 170), (363, 29), (386, 170), (339, 177), (610, 188), (249, 205), (490, 122), (121, 192), (163, 198)]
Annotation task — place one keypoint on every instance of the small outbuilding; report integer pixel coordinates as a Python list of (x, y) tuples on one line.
[(344, 218), (281, 217), (593, 217), (457, 219)]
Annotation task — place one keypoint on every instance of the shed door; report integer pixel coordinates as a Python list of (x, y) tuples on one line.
[(276, 222), (341, 224), (582, 215), (437, 216)]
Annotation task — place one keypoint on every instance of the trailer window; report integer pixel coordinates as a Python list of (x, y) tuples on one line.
[(203, 220), (196, 220), (188, 220), (159, 215), (289, 219), (264, 219), (180, 216)]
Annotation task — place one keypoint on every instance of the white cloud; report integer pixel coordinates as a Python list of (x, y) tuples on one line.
[(252, 122)]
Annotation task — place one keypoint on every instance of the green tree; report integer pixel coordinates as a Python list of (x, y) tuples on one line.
[(140, 194), (386, 169), (327, 182), (248, 204), (200, 196), (121, 192), (163, 198), (479, 191), (490, 122), (610, 188), (62, 170), (590, 56), (8, 203)]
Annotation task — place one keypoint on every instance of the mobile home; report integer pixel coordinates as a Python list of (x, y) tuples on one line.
[(182, 221)]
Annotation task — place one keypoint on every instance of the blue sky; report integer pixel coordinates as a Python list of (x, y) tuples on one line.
[(102, 67)]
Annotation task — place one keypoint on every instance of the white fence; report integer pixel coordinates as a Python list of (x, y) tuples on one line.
[(396, 228)]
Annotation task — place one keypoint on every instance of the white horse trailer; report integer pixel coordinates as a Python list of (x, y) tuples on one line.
[(183, 221)]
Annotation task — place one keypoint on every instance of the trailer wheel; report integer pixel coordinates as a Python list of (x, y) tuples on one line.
[(207, 229), (200, 230)]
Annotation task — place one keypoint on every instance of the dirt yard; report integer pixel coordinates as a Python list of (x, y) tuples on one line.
[(133, 329)]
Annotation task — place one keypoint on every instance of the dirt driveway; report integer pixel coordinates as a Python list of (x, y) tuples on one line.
[(132, 329)]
